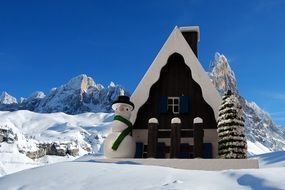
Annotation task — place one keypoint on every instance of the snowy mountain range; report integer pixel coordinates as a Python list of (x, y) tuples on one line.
[(81, 94)]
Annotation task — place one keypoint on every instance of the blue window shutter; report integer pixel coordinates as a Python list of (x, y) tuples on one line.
[(184, 103), (139, 150), (162, 104), (207, 150)]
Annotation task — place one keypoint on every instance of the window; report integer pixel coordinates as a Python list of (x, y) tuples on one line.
[(174, 104)]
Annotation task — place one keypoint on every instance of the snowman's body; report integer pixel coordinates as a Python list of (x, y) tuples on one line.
[(127, 146), (125, 150)]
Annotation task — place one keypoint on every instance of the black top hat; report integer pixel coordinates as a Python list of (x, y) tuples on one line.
[(125, 100)]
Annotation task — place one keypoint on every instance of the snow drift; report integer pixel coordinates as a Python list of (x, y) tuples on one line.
[(94, 175)]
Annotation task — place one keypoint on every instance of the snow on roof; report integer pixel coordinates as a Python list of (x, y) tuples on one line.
[(176, 43)]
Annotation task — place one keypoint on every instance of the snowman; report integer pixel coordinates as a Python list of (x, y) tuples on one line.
[(119, 143)]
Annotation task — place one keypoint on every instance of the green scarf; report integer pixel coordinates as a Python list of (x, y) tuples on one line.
[(124, 133)]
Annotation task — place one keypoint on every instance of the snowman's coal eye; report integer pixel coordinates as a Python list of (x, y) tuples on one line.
[(127, 109)]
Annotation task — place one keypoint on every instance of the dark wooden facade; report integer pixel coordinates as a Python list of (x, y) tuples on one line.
[(176, 81)]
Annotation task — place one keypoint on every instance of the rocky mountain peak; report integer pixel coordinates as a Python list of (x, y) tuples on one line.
[(259, 126), (82, 82), (6, 98), (111, 85), (38, 95), (222, 75), (21, 100)]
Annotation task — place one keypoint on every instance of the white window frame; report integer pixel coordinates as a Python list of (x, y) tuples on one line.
[(172, 105)]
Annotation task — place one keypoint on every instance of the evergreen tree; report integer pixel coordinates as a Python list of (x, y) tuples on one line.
[(231, 137)]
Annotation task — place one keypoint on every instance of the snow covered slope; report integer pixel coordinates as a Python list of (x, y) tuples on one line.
[(95, 175), (262, 134), (25, 135), (11, 160), (81, 94)]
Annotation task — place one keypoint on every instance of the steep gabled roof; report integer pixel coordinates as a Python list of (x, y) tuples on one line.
[(175, 43)]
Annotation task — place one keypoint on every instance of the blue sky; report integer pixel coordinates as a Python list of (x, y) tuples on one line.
[(45, 43)]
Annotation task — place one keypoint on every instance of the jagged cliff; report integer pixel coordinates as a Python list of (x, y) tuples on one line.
[(258, 123)]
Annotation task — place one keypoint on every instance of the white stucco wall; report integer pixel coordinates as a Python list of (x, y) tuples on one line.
[(193, 164)]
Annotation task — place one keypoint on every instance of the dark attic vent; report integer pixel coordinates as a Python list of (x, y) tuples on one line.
[(191, 35)]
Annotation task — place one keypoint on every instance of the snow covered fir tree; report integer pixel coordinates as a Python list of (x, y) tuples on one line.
[(231, 135)]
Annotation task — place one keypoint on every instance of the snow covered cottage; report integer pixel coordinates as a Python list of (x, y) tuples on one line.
[(176, 105)]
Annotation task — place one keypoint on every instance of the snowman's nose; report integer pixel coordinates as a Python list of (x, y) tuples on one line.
[(121, 108)]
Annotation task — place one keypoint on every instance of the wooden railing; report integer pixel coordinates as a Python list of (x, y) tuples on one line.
[(175, 138), (152, 138), (175, 134)]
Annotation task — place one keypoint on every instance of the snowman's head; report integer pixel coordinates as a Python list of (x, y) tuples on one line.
[(123, 109)]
